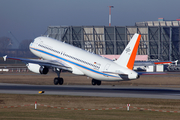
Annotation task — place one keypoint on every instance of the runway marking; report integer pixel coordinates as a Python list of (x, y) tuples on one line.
[(154, 110), (90, 109), (80, 109), (17, 106)]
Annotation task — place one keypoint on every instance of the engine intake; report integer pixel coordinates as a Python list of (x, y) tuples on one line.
[(43, 70)]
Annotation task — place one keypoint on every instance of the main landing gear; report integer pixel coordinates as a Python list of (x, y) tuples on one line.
[(58, 80), (96, 82)]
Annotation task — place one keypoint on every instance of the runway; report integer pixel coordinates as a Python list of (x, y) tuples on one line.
[(88, 90)]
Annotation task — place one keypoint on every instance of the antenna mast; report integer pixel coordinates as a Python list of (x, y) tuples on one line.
[(110, 14)]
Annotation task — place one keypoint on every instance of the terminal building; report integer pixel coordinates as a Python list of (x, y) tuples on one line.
[(160, 39)]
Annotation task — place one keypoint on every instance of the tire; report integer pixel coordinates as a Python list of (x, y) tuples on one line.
[(98, 82), (61, 81), (93, 82), (56, 81)]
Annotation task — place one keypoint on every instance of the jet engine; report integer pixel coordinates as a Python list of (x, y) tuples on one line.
[(43, 70), (36, 68)]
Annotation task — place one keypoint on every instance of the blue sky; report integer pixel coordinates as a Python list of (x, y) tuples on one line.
[(28, 19)]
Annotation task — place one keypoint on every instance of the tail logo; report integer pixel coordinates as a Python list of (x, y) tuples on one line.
[(128, 49), (133, 54), (127, 57)]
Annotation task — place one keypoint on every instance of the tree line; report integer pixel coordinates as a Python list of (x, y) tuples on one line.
[(6, 48), (7, 43)]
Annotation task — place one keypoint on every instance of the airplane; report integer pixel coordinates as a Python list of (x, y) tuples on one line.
[(58, 56)]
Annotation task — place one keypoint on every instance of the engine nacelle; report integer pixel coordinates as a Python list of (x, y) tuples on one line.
[(36, 68), (43, 70)]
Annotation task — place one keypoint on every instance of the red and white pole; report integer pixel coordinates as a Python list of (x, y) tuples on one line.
[(128, 105), (110, 14), (35, 105)]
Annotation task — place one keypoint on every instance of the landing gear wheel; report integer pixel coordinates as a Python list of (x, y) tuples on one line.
[(56, 81), (98, 82), (61, 81), (93, 82)]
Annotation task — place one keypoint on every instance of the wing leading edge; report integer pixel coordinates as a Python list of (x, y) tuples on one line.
[(48, 63)]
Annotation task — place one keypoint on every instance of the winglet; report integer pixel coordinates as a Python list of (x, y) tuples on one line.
[(4, 57), (128, 56)]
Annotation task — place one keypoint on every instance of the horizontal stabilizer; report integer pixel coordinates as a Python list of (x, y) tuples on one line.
[(124, 76)]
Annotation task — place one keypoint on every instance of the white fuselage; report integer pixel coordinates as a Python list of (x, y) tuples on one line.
[(81, 61)]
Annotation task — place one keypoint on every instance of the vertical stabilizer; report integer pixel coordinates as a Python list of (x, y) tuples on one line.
[(128, 56)]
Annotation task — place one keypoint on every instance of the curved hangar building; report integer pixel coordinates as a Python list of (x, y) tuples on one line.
[(160, 39)]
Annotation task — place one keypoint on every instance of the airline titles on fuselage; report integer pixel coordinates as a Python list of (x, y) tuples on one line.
[(95, 65)]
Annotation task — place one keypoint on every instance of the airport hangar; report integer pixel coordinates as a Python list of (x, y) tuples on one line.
[(160, 39)]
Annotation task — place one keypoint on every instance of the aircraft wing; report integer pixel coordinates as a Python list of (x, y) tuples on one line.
[(48, 63), (151, 63), (151, 73)]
